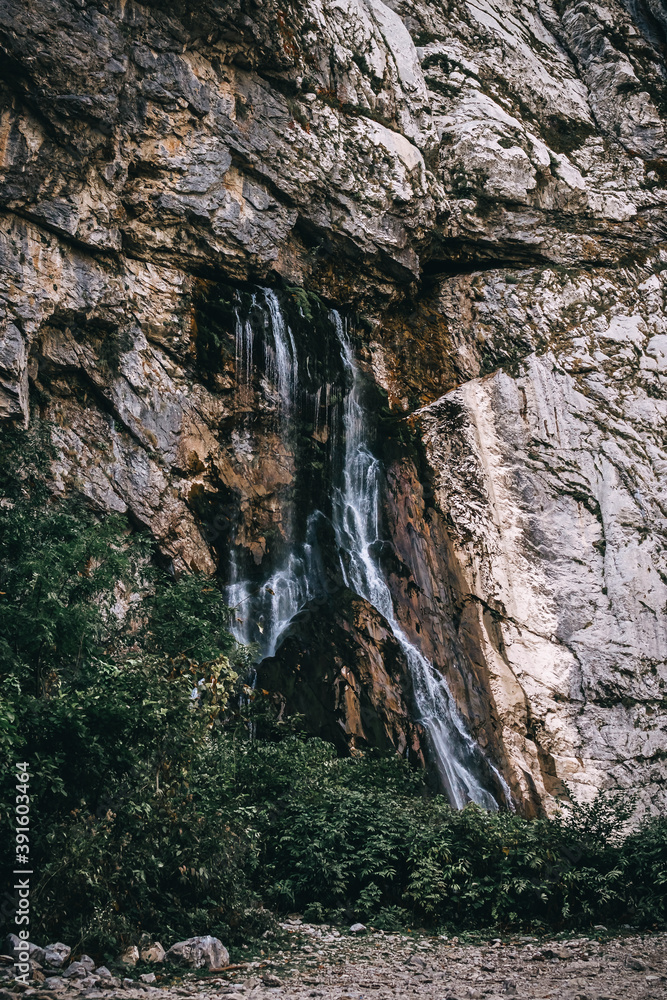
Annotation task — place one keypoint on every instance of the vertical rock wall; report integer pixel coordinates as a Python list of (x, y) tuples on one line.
[(482, 185)]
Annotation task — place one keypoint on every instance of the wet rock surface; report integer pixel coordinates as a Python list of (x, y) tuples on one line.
[(321, 961), (341, 669)]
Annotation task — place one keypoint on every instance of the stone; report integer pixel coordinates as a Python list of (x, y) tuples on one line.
[(357, 928), (103, 973), (147, 977), (77, 970), (269, 979), (130, 956), (56, 954), (636, 964), (35, 953), (154, 953), (322, 655), (199, 952), (87, 962)]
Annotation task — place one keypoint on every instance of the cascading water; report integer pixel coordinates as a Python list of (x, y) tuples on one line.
[(263, 612), (356, 523)]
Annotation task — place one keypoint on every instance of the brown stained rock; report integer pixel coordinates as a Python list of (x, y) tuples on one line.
[(154, 953), (341, 668)]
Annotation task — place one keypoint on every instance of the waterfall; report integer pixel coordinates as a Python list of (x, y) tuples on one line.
[(269, 607), (282, 367), (263, 612), (356, 523)]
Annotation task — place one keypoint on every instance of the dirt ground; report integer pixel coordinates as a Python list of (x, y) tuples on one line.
[(315, 961)]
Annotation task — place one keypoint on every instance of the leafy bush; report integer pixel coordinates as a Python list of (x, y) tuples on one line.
[(113, 713), (362, 838)]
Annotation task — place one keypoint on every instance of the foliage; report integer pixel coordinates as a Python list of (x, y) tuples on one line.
[(362, 838), (189, 618), (113, 713)]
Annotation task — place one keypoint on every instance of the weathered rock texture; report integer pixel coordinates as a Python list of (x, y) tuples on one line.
[(483, 184), (342, 670)]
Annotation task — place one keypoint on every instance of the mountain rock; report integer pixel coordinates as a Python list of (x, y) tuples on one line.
[(481, 188), (341, 669)]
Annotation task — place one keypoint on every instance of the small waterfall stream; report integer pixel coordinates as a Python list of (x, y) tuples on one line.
[(264, 612), (356, 522), (358, 483)]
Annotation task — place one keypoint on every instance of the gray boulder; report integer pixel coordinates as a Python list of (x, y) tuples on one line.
[(105, 978), (56, 954), (87, 962), (199, 952), (36, 954), (76, 970)]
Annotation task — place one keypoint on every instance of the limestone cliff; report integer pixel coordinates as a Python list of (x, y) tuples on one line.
[(480, 186)]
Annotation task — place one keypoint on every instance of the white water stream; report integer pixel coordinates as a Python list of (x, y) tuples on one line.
[(356, 520)]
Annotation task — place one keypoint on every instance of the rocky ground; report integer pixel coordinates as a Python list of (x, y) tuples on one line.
[(318, 961)]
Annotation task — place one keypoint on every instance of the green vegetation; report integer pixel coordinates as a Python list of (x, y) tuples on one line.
[(153, 811)]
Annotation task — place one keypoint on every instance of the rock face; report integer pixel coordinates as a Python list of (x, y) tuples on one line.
[(553, 477), (481, 186), (341, 669)]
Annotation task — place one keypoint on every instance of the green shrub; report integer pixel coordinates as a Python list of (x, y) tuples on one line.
[(364, 838), (115, 716)]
